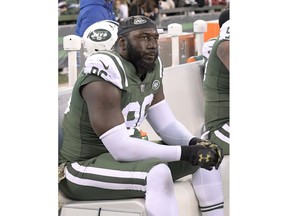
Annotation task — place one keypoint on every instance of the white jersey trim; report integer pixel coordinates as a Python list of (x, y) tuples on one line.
[(160, 68), (121, 65)]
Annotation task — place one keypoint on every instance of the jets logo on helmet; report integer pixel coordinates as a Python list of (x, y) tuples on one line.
[(101, 35)]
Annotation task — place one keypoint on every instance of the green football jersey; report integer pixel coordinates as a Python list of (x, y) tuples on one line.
[(216, 86), (79, 139)]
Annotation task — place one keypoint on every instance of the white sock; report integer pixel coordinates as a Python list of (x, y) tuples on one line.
[(160, 196), (208, 189)]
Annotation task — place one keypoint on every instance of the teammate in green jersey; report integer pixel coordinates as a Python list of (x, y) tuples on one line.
[(216, 87), (104, 154)]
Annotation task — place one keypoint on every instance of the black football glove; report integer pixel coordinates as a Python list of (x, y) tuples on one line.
[(199, 155), (209, 144)]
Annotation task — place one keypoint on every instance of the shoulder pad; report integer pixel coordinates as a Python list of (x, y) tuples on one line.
[(107, 66)]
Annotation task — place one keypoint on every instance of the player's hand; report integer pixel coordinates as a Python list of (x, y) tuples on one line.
[(208, 143), (199, 155)]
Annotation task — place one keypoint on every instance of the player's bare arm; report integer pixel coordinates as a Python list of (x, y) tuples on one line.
[(103, 101)]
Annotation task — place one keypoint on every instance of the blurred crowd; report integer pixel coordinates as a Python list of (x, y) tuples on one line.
[(149, 8), (68, 7)]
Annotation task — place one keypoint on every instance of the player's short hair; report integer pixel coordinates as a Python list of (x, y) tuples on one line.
[(133, 23), (224, 16)]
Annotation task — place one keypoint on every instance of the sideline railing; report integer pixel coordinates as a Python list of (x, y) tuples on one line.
[(72, 18), (69, 18), (186, 10)]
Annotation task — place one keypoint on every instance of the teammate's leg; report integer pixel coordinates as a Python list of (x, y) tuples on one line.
[(208, 189), (222, 137)]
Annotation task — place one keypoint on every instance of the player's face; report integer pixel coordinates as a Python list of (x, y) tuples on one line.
[(142, 47)]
